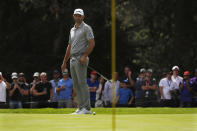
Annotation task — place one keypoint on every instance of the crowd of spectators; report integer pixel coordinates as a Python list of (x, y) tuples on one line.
[(171, 90)]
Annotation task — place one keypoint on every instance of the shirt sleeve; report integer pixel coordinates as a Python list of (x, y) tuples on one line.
[(59, 84), (89, 33), (69, 39), (161, 83)]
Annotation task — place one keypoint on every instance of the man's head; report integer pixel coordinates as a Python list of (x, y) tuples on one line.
[(36, 76), (78, 15), (123, 84), (168, 75), (175, 70), (147, 76), (21, 77), (186, 75), (65, 74), (142, 71), (56, 74), (93, 75), (14, 77), (150, 71), (43, 77), (127, 70)]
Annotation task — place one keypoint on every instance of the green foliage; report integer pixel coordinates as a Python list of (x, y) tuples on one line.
[(152, 34)]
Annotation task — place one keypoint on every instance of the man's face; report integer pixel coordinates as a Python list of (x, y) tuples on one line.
[(56, 76), (93, 76), (168, 76), (176, 72), (116, 75), (36, 78), (126, 70), (43, 78), (14, 80), (186, 76), (123, 85), (65, 76), (78, 18), (21, 79)]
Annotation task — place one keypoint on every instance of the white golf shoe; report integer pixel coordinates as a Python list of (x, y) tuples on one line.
[(76, 112), (84, 111)]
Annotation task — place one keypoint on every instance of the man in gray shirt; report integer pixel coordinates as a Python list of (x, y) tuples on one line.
[(80, 45)]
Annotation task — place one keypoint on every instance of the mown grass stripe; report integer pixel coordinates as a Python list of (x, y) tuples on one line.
[(106, 111)]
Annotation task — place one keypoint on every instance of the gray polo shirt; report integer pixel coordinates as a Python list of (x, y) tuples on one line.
[(79, 39)]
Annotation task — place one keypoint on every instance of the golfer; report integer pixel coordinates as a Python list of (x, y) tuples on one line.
[(80, 45)]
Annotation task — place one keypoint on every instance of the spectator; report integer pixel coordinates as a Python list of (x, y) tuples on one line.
[(194, 88), (42, 91), (108, 90), (54, 83), (141, 75), (36, 79), (15, 93), (150, 71), (128, 77), (100, 93), (139, 93), (3, 86), (125, 95), (166, 85), (25, 86), (65, 91), (186, 91), (175, 76), (149, 87), (177, 79), (93, 86)]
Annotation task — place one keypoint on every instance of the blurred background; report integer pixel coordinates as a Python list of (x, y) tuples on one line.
[(153, 34)]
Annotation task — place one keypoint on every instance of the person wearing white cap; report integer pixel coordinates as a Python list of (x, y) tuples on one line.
[(36, 79), (15, 93), (178, 80), (42, 91), (80, 45), (3, 86), (175, 76)]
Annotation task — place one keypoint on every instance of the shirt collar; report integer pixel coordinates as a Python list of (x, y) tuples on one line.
[(82, 23)]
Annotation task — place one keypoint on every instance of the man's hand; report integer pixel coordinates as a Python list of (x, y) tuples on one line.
[(83, 59), (15, 86), (129, 74), (62, 87), (63, 67)]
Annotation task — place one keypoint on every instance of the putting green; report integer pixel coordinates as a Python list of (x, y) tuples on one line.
[(99, 122)]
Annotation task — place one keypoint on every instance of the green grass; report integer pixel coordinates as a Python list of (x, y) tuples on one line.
[(127, 119)]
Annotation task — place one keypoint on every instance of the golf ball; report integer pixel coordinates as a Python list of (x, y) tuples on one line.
[(94, 113)]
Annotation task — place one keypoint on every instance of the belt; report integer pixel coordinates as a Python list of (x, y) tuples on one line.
[(76, 56)]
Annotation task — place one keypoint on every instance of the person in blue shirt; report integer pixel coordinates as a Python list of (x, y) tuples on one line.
[(54, 83), (186, 91), (193, 81), (93, 85), (65, 91), (125, 95)]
